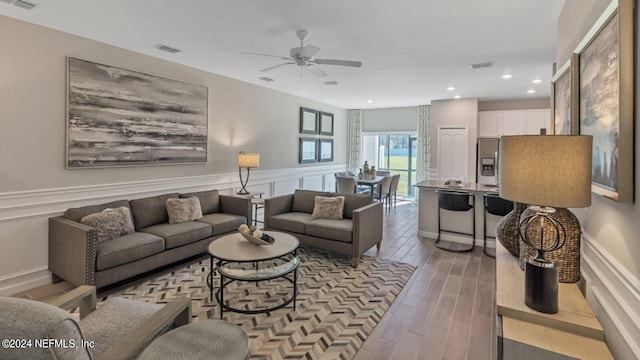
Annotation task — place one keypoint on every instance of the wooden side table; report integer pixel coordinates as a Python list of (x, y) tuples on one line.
[(257, 202)]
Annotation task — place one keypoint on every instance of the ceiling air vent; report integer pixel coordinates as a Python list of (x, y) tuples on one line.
[(330, 83), (482, 65), (24, 4), (167, 48), (267, 79)]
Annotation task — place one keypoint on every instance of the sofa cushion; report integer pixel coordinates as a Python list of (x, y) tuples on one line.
[(180, 234), (110, 223), (339, 230), (222, 223), (127, 248), (150, 211), (28, 319), (353, 202), (292, 222), (76, 214), (304, 200), (182, 210), (330, 207), (209, 200)]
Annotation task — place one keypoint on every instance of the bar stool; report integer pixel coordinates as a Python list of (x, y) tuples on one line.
[(494, 205), (459, 201)]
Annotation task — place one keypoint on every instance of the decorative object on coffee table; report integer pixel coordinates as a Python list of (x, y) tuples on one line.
[(248, 161), (550, 172), (255, 236)]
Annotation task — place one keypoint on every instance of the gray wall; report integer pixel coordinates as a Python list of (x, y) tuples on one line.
[(611, 245), (456, 112), (242, 116), (523, 104), (403, 119)]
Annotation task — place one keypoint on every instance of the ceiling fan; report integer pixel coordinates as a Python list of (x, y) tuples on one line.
[(303, 56)]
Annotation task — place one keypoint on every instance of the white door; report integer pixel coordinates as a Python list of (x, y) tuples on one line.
[(452, 153)]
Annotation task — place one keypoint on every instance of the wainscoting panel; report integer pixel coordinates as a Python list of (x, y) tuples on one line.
[(614, 296), (24, 215), (314, 182)]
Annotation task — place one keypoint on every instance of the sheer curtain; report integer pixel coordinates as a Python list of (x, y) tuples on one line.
[(354, 139), (424, 139)]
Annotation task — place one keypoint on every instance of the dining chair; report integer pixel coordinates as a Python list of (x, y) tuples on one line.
[(346, 185), (383, 172), (382, 193), (393, 189)]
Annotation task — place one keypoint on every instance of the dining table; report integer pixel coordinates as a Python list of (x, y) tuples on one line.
[(372, 183)]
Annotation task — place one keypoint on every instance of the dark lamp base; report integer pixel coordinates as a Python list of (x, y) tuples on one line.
[(541, 286), (243, 192)]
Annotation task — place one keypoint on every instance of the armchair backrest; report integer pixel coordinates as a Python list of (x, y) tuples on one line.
[(346, 185), (28, 320)]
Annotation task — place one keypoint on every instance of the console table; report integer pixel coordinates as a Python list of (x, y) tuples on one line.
[(523, 333)]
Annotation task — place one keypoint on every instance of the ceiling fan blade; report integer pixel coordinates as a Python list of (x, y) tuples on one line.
[(309, 51), (276, 56), (316, 71), (276, 66), (338, 62)]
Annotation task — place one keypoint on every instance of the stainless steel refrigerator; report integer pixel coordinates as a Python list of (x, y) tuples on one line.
[(487, 161)]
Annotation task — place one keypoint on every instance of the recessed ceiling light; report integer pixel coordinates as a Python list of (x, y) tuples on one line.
[(456, 96), (451, 88), (506, 76), (536, 81), (531, 91), (369, 101)]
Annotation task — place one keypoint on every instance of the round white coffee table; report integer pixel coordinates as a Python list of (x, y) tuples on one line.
[(240, 260)]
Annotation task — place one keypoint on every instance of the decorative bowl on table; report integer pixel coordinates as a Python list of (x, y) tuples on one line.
[(254, 236)]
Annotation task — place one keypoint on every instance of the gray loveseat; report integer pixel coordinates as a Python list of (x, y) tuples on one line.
[(76, 255), (358, 230)]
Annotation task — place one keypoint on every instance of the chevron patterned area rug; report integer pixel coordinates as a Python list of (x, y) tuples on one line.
[(336, 309)]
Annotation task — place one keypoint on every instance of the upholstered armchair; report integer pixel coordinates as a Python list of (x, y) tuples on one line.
[(119, 329)]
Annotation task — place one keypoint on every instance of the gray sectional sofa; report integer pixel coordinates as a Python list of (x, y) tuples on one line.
[(359, 229), (76, 255)]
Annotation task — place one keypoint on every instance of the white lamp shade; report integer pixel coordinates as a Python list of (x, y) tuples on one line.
[(248, 160), (542, 170)]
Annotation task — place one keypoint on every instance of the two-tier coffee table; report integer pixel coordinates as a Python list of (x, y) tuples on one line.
[(240, 260)]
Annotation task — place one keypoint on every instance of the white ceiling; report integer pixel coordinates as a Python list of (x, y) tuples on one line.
[(411, 50)]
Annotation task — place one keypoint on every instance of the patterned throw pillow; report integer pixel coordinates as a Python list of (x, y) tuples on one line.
[(182, 210), (110, 223), (328, 207)]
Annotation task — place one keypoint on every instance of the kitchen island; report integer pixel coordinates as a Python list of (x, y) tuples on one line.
[(428, 213)]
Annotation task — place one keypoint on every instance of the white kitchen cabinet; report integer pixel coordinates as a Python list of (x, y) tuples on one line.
[(513, 122)]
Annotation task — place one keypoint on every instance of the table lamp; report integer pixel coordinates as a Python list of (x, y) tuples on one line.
[(547, 172), (248, 161)]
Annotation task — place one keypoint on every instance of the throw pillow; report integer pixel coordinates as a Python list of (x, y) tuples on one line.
[(328, 207), (182, 210), (110, 223)]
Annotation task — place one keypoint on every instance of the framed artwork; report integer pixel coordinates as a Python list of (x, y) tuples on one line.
[(308, 150), (561, 115), (325, 151), (605, 58), (326, 123), (308, 121), (119, 117)]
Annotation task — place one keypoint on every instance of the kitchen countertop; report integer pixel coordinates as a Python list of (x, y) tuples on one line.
[(478, 188)]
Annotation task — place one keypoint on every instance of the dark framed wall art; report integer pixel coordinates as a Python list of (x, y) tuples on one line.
[(308, 150), (308, 121), (325, 150), (119, 117), (605, 58), (326, 123), (562, 114)]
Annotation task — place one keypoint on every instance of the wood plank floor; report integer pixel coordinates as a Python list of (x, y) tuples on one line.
[(444, 312)]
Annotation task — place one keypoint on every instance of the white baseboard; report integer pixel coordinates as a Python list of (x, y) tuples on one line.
[(24, 280), (491, 243), (614, 295), (24, 214)]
